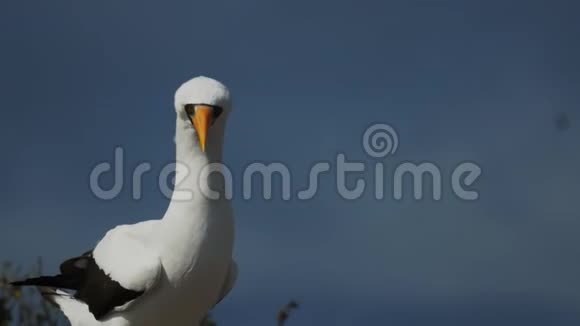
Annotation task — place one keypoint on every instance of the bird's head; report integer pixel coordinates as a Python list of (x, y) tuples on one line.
[(203, 103)]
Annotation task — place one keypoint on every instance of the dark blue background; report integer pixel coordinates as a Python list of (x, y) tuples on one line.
[(460, 80)]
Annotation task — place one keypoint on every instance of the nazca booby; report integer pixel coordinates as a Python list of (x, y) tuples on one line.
[(170, 271)]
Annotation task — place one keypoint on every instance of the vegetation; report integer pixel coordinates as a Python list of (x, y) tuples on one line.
[(23, 306)]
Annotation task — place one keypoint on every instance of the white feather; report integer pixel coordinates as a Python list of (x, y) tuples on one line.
[(124, 256)]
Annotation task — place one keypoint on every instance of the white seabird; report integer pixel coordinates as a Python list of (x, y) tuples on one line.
[(170, 271)]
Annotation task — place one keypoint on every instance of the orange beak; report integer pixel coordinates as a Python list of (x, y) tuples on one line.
[(201, 120)]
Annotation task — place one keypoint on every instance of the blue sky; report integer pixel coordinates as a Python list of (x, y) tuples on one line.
[(478, 81)]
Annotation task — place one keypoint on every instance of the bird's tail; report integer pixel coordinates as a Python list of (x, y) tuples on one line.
[(51, 281), (75, 311), (58, 281), (52, 288), (47, 285)]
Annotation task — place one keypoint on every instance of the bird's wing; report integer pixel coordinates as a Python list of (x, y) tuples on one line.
[(229, 282), (121, 269), (124, 255)]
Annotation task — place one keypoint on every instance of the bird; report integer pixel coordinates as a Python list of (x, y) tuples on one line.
[(168, 271)]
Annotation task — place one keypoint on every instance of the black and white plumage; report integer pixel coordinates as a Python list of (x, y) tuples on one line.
[(170, 271), (91, 284)]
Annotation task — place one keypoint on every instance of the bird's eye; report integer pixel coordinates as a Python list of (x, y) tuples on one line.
[(217, 111), (190, 109)]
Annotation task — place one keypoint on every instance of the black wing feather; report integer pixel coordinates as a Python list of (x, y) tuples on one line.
[(101, 293), (92, 285)]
